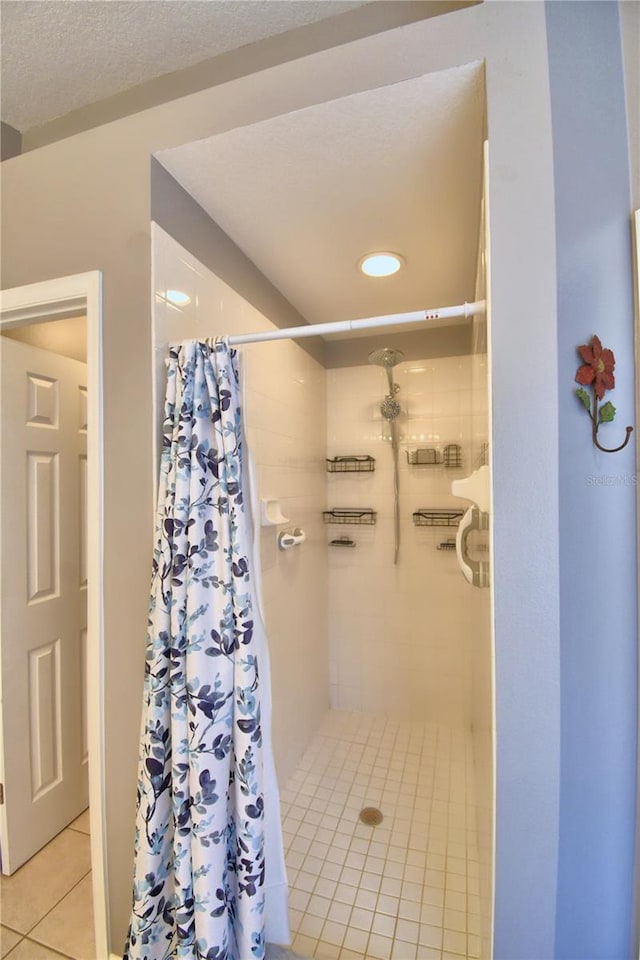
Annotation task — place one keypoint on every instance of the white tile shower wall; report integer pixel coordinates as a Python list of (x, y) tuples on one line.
[(286, 425), (399, 635)]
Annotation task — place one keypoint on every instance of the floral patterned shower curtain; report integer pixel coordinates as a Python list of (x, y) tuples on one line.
[(199, 862)]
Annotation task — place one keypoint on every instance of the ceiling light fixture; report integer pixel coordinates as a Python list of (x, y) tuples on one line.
[(178, 298), (382, 264)]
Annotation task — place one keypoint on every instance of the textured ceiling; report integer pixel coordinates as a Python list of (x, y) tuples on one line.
[(307, 194), (58, 55)]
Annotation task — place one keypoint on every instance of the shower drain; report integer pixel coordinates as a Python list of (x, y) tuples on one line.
[(371, 816)]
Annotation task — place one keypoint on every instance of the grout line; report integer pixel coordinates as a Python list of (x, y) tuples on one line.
[(55, 905), (65, 956), (7, 955), (59, 901)]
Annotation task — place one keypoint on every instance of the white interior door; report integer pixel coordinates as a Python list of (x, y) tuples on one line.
[(43, 620)]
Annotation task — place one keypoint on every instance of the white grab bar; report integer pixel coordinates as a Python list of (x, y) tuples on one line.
[(292, 539)]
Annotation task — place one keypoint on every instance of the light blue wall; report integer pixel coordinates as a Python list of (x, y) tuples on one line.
[(597, 493)]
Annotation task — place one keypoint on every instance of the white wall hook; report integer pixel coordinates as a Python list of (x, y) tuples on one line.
[(291, 539)]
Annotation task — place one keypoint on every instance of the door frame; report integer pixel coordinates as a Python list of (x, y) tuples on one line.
[(39, 303)]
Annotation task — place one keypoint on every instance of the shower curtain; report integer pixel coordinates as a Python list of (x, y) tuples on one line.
[(208, 804)]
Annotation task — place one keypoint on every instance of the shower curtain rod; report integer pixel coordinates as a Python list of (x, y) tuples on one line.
[(465, 310)]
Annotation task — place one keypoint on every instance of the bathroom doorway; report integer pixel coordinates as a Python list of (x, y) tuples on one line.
[(44, 615), (50, 734)]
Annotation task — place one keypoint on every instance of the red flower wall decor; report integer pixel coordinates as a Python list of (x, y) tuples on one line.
[(597, 368), (597, 372)]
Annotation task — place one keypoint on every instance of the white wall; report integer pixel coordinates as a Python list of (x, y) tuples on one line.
[(83, 203), (400, 640), (599, 648), (285, 418), (630, 36)]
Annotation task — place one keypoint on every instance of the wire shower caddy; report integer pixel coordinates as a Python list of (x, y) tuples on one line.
[(357, 515), (437, 517), (354, 464)]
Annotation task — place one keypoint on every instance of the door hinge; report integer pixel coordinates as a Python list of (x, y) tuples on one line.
[(1, 794)]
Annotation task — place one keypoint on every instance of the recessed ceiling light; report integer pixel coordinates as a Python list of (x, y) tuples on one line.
[(178, 298), (382, 264)]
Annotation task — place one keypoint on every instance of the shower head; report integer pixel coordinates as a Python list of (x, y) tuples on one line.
[(386, 357), (390, 408)]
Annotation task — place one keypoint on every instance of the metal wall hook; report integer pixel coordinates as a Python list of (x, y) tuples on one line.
[(610, 449), (597, 372)]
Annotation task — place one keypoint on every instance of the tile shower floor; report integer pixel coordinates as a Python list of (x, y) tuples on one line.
[(406, 889), (47, 908)]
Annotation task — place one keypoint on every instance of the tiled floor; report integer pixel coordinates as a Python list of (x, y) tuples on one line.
[(406, 889), (47, 909)]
